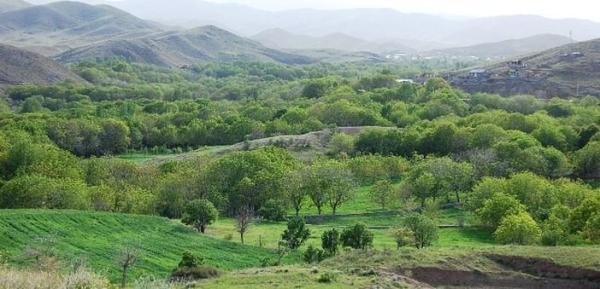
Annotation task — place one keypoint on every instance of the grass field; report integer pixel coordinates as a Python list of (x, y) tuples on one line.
[(97, 237)]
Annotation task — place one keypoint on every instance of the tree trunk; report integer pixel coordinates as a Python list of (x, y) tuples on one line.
[(334, 209), (457, 197), (297, 211), (319, 210), (242, 237), (202, 229), (124, 277)]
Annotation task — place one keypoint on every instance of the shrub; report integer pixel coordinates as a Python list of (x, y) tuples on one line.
[(424, 229), (194, 273), (404, 237), (326, 278), (190, 260), (498, 207), (591, 231), (518, 229), (330, 241), (357, 237), (313, 255), (272, 211), (296, 233)]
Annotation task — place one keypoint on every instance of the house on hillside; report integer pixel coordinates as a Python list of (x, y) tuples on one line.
[(479, 73)]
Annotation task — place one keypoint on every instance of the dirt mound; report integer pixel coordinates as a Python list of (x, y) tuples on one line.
[(519, 272)]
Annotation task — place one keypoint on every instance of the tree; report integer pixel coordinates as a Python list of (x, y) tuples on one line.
[(297, 188), (357, 237), (341, 143), (518, 229), (272, 210), (422, 187), (243, 219), (296, 233), (126, 259), (587, 160), (313, 255), (496, 208), (199, 214), (382, 193), (424, 229), (340, 187), (330, 240)]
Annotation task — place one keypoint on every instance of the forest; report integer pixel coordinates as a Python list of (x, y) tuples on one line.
[(517, 170)]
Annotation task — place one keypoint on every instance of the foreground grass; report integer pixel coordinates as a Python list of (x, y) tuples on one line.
[(97, 238)]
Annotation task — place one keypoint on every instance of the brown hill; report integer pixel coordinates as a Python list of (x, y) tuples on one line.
[(567, 71), (179, 48), (18, 66)]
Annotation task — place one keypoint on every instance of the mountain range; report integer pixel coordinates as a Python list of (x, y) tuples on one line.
[(74, 31), (372, 25)]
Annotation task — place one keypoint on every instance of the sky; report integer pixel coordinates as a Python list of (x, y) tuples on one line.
[(585, 9)]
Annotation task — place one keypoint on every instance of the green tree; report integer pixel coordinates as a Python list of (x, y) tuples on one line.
[(497, 207), (518, 229), (199, 214), (357, 237), (330, 241), (296, 233), (382, 193), (424, 229)]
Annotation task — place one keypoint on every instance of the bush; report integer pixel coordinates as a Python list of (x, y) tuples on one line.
[(424, 229), (357, 237), (326, 278), (194, 273), (404, 237), (272, 211), (330, 241), (313, 255), (518, 229), (190, 260), (296, 233)]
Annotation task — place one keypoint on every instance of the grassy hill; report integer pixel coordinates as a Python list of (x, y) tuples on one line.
[(21, 66), (178, 48), (97, 237), (567, 71), (58, 26)]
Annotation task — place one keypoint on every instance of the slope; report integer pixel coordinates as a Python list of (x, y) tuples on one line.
[(179, 48), (8, 5), (97, 238), (567, 71), (20, 66), (281, 39), (58, 26), (507, 48)]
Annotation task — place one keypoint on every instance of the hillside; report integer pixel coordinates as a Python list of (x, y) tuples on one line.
[(567, 71), (21, 66), (8, 5), (58, 26), (507, 48), (178, 48), (97, 237), (281, 39)]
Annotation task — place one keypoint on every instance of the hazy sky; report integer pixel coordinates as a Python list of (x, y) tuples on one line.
[(587, 9)]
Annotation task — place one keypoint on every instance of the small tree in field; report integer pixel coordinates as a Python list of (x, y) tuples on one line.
[(296, 233), (404, 237), (424, 229), (518, 229), (382, 193), (330, 240), (126, 259), (357, 237), (243, 220), (199, 214)]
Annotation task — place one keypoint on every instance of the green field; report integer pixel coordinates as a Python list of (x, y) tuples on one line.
[(97, 237)]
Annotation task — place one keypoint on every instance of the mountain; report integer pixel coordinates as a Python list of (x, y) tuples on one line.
[(8, 5), (507, 48), (281, 39), (180, 48), (372, 25), (58, 26), (20, 66), (567, 71)]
